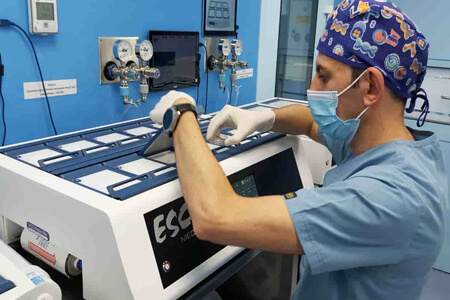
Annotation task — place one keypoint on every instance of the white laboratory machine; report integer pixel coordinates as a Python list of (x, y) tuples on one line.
[(22, 281), (122, 215)]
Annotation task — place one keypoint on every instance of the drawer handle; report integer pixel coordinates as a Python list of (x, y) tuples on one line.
[(445, 97)]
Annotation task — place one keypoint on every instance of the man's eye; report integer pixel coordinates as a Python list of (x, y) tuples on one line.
[(323, 78)]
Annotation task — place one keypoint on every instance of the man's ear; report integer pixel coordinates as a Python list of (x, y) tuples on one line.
[(374, 80)]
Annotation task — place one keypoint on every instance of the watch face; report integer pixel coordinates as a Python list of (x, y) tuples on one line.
[(167, 121)]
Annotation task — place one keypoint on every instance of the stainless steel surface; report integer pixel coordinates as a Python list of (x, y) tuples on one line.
[(105, 51), (223, 63), (243, 64), (211, 45), (133, 73), (117, 72), (235, 65), (158, 143), (151, 72)]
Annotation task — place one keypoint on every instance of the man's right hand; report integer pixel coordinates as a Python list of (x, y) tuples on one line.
[(244, 121)]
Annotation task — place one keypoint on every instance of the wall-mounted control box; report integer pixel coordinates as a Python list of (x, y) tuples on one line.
[(43, 16)]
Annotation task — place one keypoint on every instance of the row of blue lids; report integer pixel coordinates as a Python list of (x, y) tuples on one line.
[(107, 159)]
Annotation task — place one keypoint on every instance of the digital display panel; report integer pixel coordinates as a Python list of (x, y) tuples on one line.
[(45, 11), (246, 187), (220, 17)]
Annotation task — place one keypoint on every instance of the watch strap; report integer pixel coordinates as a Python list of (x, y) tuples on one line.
[(182, 108)]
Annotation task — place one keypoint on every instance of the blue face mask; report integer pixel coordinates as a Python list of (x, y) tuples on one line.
[(323, 106)]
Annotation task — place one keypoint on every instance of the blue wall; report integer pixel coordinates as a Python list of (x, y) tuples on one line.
[(73, 54)]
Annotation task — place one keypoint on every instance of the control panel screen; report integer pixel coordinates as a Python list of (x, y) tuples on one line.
[(45, 11), (220, 17), (246, 187)]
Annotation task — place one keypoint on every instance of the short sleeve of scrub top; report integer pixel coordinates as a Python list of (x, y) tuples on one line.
[(358, 222)]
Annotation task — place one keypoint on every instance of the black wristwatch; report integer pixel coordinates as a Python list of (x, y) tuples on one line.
[(172, 115)]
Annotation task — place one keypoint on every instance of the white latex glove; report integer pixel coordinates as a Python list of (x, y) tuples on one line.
[(157, 114), (244, 121)]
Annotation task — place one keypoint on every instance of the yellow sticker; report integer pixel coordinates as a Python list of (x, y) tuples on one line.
[(289, 196)]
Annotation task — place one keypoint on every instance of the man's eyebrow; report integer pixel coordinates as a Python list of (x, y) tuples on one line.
[(320, 68)]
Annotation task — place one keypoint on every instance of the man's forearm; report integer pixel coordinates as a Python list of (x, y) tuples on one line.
[(218, 214), (205, 186), (293, 119)]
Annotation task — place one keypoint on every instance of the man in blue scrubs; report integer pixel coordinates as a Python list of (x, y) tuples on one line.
[(375, 229)]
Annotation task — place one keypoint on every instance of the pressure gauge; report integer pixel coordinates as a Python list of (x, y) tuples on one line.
[(144, 50), (237, 47), (225, 47), (123, 51)]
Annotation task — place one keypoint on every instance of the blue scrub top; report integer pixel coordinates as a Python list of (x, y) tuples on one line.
[(376, 228)]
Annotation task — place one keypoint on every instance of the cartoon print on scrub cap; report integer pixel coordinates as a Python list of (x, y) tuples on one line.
[(376, 33)]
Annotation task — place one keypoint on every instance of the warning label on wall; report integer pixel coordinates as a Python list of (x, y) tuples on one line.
[(55, 88)]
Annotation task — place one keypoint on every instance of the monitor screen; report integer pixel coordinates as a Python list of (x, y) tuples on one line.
[(176, 57), (45, 11)]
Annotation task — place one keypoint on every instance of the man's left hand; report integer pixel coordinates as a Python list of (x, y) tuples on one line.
[(171, 98)]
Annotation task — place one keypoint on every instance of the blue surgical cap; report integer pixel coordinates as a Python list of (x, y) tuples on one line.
[(376, 33)]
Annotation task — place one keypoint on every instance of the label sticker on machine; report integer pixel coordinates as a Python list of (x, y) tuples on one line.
[(174, 241), (38, 231), (246, 73), (34, 90), (38, 277)]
